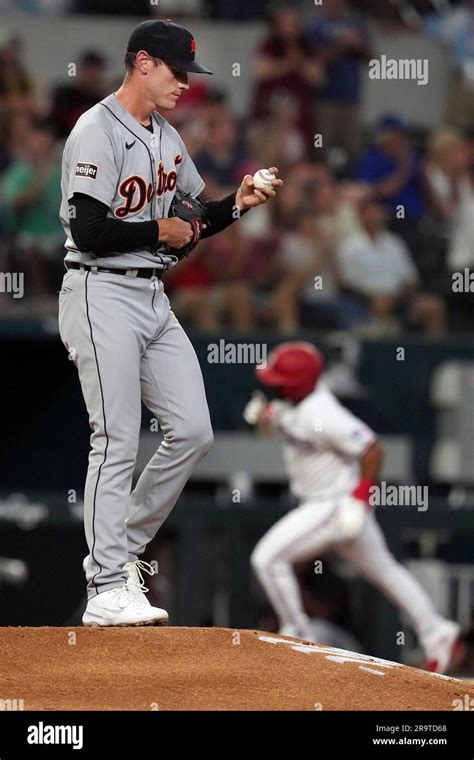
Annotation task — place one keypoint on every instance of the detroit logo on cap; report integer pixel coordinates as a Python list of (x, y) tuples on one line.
[(172, 43)]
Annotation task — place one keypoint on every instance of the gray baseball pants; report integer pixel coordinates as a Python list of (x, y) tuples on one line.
[(128, 346)]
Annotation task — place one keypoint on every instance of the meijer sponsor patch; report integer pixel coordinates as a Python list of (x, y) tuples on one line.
[(86, 170)]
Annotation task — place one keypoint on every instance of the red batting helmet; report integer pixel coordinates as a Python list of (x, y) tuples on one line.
[(294, 368)]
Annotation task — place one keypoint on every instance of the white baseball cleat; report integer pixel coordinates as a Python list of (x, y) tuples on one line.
[(135, 581), (121, 606), (444, 649)]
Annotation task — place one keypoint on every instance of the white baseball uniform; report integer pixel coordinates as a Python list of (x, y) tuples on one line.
[(323, 445)]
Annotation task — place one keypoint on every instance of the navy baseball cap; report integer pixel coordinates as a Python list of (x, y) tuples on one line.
[(171, 42), (392, 123)]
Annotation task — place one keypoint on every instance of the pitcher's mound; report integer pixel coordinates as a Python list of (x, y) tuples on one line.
[(206, 669)]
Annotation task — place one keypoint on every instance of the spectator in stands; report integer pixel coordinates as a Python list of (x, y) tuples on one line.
[(215, 105), (337, 209), (227, 260), (340, 37), (264, 271), (69, 101), (311, 284), (15, 134), (300, 182), (203, 108), (450, 187), (393, 170), (285, 63), (455, 28), (16, 85), (188, 286), (223, 151), (278, 135), (376, 265), (300, 257), (211, 288), (311, 173), (31, 193), (288, 203)]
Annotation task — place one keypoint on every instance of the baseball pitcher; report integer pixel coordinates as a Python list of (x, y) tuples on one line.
[(130, 211)]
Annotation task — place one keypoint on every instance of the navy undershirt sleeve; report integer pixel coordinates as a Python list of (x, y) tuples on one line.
[(221, 214), (93, 231)]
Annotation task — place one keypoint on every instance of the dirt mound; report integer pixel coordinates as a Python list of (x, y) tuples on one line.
[(172, 668)]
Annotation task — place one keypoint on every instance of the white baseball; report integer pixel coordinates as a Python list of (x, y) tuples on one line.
[(263, 178)]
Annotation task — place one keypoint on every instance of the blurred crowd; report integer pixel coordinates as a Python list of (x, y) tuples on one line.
[(388, 11), (364, 235)]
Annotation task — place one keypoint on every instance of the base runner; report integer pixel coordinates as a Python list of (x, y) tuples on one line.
[(333, 460)]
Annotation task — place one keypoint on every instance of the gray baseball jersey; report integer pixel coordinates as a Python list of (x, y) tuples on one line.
[(113, 158)]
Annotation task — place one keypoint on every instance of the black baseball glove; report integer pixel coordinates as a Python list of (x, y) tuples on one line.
[(191, 210)]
